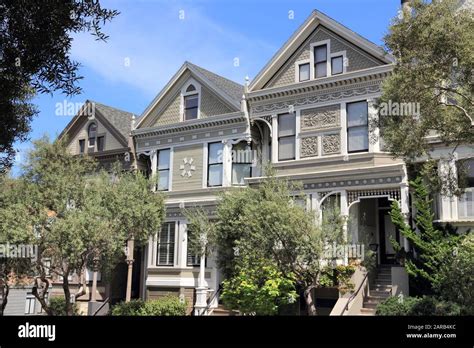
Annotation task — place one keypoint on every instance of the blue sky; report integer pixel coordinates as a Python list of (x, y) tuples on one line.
[(149, 42)]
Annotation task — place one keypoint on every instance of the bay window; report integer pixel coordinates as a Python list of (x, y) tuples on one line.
[(286, 137), (215, 164), (241, 162), (357, 127), (163, 170)]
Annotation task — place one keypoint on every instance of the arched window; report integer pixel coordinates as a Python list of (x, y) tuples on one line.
[(190, 88), (91, 134)]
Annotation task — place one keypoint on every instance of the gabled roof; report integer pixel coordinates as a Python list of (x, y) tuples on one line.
[(121, 120), (310, 24), (117, 121), (231, 92)]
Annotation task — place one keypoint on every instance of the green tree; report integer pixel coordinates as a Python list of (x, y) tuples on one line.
[(35, 43), (265, 223), (433, 45), (431, 242), (80, 217), (14, 227), (258, 288), (455, 281)]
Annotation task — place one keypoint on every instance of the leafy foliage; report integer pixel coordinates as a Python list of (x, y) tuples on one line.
[(417, 306), (57, 306), (265, 223), (79, 217), (339, 276), (166, 306), (431, 242), (35, 43), (433, 47), (455, 281), (258, 288)]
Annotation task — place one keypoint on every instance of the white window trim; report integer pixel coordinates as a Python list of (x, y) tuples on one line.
[(328, 61), (297, 69), (344, 65), (170, 167), (183, 94), (205, 160), (154, 257)]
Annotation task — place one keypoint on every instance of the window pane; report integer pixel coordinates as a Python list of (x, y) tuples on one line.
[(241, 153), (215, 153), (286, 148), (82, 144), (191, 114), (239, 172), (100, 143), (337, 65), (163, 180), (320, 54), (357, 114), (286, 125), (91, 142), (358, 139), (304, 72), (163, 159), (215, 175), (92, 130), (165, 247), (191, 101), (321, 69), (190, 88)]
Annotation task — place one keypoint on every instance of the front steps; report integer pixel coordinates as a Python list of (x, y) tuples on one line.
[(379, 291), (221, 311)]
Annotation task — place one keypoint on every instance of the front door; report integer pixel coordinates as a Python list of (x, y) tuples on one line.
[(388, 231)]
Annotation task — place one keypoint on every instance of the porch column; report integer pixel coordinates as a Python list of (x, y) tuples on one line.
[(274, 139), (374, 146), (201, 290), (227, 161), (345, 216), (315, 197), (154, 162), (405, 204)]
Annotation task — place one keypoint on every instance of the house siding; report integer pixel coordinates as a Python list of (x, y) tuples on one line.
[(181, 183), (358, 60), (111, 143)]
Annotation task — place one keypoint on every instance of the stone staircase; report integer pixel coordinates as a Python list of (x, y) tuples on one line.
[(221, 311), (380, 289)]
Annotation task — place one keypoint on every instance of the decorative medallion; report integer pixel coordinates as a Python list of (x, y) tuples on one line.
[(187, 168)]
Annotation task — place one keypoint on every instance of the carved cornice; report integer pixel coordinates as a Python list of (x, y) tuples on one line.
[(321, 96), (190, 126)]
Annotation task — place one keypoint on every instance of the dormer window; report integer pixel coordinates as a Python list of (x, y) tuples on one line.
[(91, 134), (191, 107), (190, 102), (337, 65), (320, 61)]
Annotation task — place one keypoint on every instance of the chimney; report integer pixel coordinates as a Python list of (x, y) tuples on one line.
[(406, 6)]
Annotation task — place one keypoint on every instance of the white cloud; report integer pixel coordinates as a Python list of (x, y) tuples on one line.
[(155, 42)]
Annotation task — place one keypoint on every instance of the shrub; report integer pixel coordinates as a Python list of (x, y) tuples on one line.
[(456, 277), (339, 276), (396, 306), (127, 308), (166, 306), (58, 306), (417, 306)]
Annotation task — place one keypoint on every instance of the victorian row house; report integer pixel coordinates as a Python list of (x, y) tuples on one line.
[(308, 112)]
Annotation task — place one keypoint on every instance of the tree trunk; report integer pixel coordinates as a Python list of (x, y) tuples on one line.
[(67, 295), (41, 299), (5, 290), (308, 297)]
